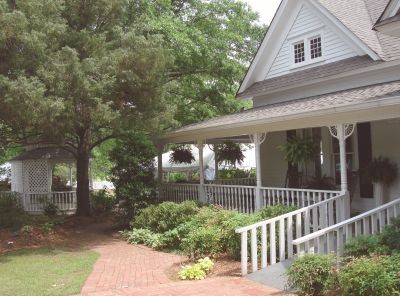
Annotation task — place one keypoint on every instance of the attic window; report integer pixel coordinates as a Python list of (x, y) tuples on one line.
[(307, 50), (316, 47), (299, 52)]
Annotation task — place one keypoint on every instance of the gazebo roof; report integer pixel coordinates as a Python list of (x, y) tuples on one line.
[(54, 153)]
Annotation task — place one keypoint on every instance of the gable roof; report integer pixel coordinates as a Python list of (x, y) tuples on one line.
[(355, 17)]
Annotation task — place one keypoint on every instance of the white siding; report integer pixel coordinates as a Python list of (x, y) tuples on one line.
[(274, 166), (334, 49)]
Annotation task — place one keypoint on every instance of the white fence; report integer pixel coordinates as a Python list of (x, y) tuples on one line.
[(333, 238), (36, 202), (238, 181), (230, 197), (275, 236), (178, 193)]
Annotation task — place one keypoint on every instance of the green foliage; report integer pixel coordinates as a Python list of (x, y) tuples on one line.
[(312, 275), (182, 154), (234, 173), (299, 150), (144, 236), (368, 276), (383, 170), (102, 165), (133, 174), (203, 241), (177, 177), (11, 213), (274, 211), (365, 245), (26, 229), (47, 227), (50, 209), (390, 236), (165, 216), (197, 271), (102, 201)]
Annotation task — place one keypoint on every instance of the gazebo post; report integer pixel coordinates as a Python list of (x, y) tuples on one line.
[(202, 192)]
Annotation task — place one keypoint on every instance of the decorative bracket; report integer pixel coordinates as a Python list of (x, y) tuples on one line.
[(259, 138), (342, 130)]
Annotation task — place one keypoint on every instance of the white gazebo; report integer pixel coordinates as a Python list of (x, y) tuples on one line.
[(32, 178)]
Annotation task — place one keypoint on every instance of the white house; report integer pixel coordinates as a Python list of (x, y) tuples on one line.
[(325, 67)]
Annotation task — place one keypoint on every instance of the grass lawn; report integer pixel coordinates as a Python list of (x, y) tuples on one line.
[(45, 271)]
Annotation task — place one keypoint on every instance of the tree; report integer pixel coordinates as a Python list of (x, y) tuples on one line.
[(77, 73)]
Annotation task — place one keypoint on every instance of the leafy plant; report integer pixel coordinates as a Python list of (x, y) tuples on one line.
[(322, 183), (383, 170), (102, 201), (365, 245), (312, 275), (367, 276), (274, 211), (203, 241), (182, 154), (390, 235), (50, 209), (26, 229), (229, 152), (197, 271), (144, 236), (47, 227), (298, 150)]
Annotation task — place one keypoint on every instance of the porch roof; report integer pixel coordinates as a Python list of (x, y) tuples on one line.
[(373, 102)]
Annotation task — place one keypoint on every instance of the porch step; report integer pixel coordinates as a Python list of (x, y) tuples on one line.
[(273, 276)]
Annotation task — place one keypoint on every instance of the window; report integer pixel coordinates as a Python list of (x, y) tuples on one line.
[(307, 50), (299, 53), (316, 47)]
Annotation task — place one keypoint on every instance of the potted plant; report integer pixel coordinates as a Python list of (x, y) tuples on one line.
[(182, 154), (382, 173)]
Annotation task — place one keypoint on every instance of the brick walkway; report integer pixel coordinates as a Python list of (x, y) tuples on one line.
[(124, 269)]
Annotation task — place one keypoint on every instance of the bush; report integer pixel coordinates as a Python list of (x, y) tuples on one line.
[(274, 211), (165, 216), (196, 271), (144, 236), (365, 245), (368, 276), (312, 275), (50, 210), (102, 201), (390, 236), (11, 214), (203, 241)]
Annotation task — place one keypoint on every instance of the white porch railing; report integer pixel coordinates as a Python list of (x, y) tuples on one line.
[(35, 202), (295, 197), (178, 193), (231, 197), (333, 238), (277, 234), (238, 181)]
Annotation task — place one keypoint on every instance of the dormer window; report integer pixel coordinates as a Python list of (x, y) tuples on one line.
[(307, 50)]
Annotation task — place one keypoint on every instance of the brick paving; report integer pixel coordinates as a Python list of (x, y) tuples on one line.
[(124, 269)]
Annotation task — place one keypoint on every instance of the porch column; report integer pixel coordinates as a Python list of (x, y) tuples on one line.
[(160, 149), (258, 139), (202, 192), (341, 132)]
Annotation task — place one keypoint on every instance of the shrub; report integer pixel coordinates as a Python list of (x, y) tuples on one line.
[(393, 266), (102, 201), (390, 236), (144, 236), (11, 214), (165, 216), (203, 241), (196, 271), (274, 211), (365, 245), (26, 229), (50, 210), (47, 227), (367, 276), (312, 275)]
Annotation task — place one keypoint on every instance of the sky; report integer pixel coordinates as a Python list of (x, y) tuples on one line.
[(266, 9)]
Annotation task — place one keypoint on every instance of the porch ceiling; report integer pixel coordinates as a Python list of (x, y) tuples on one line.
[(368, 103)]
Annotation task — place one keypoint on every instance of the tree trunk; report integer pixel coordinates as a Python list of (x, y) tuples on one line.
[(82, 176)]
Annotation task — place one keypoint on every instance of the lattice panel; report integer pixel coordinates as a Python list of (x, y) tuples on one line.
[(16, 177), (36, 176)]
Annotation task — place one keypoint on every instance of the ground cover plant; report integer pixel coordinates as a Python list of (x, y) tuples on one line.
[(370, 266), (197, 271), (45, 271), (194, 229)]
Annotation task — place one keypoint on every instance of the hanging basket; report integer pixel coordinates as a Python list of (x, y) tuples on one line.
[(182, 154), (231, 153)]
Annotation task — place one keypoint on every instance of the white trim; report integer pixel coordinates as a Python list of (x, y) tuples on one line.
[(391, 10)]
